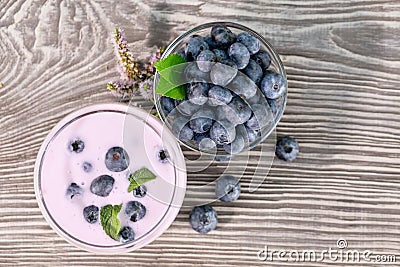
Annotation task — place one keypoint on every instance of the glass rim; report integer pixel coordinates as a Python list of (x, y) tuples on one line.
[(274, 56)]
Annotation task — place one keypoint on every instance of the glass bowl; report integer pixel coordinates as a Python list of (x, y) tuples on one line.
[(101, 127), (275, 107)]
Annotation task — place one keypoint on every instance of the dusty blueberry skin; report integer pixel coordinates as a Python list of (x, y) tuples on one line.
[(140, 191), (223, 72), (239, 55), (186, 107), (253, 71), (211, 43), (194, 46), (218, 95), (222, 36), (91, 214), (116, 159), (74, 190), (186, 134), (273, 85), (262, 58), (273, 104), (76, 146), (126, 234), (220, 55), (222, 132), (135, 210), (199, 138), (260, 118), (227, 188), (236, 146), (197, 93), (243, 86), (201, 121), (192, 73), (167, 104), (102, 185), (250, 41), (205, 60), (287, 148), (203, 219), (251, 135), (237, 111)]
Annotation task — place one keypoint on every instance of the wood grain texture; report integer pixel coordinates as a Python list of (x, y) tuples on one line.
[(343, 64)]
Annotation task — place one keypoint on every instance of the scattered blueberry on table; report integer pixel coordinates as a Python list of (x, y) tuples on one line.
[(287, 148), (203, 219)]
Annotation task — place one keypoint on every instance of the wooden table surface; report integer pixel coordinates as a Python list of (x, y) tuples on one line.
[(343, 64)]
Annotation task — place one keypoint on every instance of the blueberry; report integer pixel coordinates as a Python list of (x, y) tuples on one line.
[(181, 129), (249, 41), (243, 86), (220, 55), (223, 73), (253, 71), (205, 60), (197, 93), (273, 85), (76, 146), (162, 156), (192, 73), (223, 132), (287, 148), (218, 95), (222, 158), (251, 135), (227, 188), (91, 213), (140, 191), (102, 185), (74, 190), (194, 46), (237, 112), (186, 134), (260, 117), (167, 104), (205, 144), (201, 121), (199, 137), (117, 159), (262, 58), (273, 104), (203, 219), (126, 234), (135, 210), (239, 55), (236, 146), (182, 53), (211, 43), (87, 167), (222, 36), (186, 108)]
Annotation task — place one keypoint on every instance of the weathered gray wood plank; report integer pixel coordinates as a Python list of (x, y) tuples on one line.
[(343, 64)]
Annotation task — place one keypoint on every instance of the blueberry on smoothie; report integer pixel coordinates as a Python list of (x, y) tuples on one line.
[(135, 210), (87, 167), (74, 190), (162, 155), (126, 234), (76, 146), (227, 188), (91, 214), (287, 148), (117, 159), (102, 185), (140, 191), (203, 219)]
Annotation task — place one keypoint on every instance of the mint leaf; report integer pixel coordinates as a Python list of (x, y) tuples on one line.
[(140, 177), (109, 220), (171, 82)]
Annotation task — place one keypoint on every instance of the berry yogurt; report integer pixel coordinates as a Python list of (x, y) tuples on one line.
[(110, 155)]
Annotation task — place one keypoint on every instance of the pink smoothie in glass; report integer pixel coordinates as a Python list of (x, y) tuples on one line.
[(101, 128)]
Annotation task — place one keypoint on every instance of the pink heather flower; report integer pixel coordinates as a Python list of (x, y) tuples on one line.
[(146, 89), (123, 89)]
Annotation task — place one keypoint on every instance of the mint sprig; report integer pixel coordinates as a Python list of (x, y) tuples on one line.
[(109, 220), (171, 83), (140, 177)]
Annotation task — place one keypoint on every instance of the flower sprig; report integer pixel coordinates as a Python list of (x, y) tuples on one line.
[(133, 79)]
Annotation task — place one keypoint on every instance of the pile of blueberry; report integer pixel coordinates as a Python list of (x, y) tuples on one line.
[(232, 92), (116, 160)]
